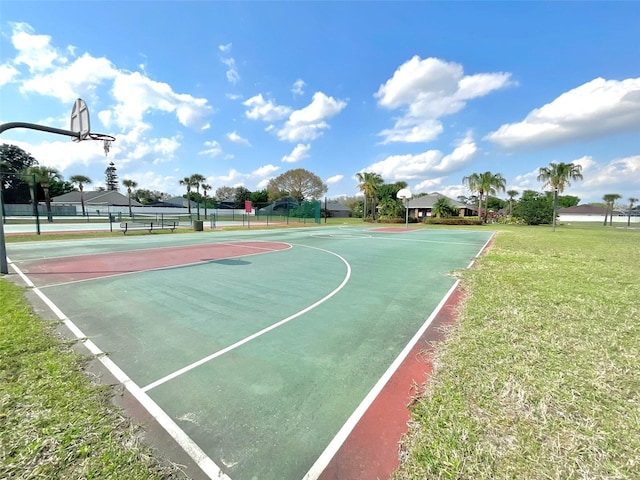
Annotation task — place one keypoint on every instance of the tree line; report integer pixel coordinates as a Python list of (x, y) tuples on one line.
[(24, 181)]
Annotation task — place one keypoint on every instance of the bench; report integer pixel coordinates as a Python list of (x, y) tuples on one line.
[(150, 226)]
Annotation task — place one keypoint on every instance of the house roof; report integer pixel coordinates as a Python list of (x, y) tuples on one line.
[(428, 201), (337, 207), (96, 197), (585, 210), (180, 202)]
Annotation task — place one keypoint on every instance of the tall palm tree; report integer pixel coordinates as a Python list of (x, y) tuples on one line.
[(205, 188), (186, 181), (369, 184), (610, 199), (81, 181), (196, 180), (486, 183), (557, 176), (491, 184), (45, 176), (512, 195), (473, 183), (632, 201), (130, 184)]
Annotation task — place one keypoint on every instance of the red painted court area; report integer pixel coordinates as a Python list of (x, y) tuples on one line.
[(84, 267), (371, 451), (394, 230)]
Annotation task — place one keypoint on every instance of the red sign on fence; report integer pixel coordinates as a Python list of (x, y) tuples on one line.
[(247, 206)]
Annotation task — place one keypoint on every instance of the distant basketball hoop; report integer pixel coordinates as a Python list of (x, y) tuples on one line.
[(405, 194)]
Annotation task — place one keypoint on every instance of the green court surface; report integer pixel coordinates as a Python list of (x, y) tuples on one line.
[(260, 403)]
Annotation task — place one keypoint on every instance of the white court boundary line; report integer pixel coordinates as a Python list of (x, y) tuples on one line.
[(207, 465), (217, 354), (327, 455)]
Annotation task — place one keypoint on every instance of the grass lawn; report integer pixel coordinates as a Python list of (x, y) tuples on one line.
[(540, 379)]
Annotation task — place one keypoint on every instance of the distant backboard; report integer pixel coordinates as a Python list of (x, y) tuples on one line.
[(80, 120), (404, 194)]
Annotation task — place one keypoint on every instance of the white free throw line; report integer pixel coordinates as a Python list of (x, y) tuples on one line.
[(207, 465), (257, 334)]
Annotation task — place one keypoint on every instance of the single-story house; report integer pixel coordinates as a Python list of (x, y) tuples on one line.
[(94, 200), (420, 207), (336, 209), (590, 213)]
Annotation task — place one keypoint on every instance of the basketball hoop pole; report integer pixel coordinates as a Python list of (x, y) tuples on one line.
[(405, 194), (42, 128)]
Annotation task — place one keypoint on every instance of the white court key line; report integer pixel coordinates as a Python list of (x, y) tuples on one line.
[(204, 360), (192, 449), (332, 449)]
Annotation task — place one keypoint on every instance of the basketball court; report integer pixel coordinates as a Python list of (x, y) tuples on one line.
[(257, 351)]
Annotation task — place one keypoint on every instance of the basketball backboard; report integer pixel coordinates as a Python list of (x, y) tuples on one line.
[(80, 120), (404, 194)]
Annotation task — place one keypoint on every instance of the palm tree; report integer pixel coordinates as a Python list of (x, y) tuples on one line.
[(196, 180), (81, 181), (442, 208), (512, 195), (205, 188), (130, 184), (491, 184), (556, 176), (369, 184), (485, 183), (610, 199), (44, 176), (186, 181), (632, 200), (473, 183)]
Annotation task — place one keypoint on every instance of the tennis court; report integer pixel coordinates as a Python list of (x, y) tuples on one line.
[(254, 348)]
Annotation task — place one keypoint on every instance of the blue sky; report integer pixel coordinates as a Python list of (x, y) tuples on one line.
[(241, 92)]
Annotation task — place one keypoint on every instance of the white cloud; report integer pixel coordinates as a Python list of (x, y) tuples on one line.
[(265, 171), (334, 179), (213, 149), (299, 152), (139, 95), (7, 74), (298, 87), (586, 162), (232, 73), (418, 166), (308, 122), (235, 138), (592, 110), (34, 51), (615, 176), (428, 90), (77, 79), (261, 109)]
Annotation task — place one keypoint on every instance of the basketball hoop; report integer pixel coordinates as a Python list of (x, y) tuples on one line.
[(106, 140)]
